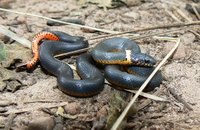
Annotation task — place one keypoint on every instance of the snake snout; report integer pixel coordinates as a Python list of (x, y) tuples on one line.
[(141, 59), (150, 61)]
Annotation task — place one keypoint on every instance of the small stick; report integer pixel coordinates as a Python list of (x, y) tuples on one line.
[(180, 12), (195, 33), (150, 28), (148, 101), (58, 21), (195, 11), (149, 96), (144, 94), (74, 52), (130, 104), (177, 97), (32, 109), (188, 19), (41, 100), (173, 16)]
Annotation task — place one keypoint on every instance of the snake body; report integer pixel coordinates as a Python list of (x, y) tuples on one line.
[(133, 78), (92, 81), (35, 46), (113, 51), (115, 54)]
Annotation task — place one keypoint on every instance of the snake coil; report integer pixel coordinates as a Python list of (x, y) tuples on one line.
[(125, 66)]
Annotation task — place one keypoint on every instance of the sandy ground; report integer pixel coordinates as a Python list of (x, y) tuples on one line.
[(180, 73)]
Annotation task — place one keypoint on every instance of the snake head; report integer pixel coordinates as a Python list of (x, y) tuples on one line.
[(142, 59)]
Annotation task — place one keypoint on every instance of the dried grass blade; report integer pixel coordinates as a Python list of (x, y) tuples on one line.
[(150, 96), (59, 21), (14, 36)]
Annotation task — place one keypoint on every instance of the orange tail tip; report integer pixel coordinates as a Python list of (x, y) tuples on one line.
[(35, 46), (29, 65)]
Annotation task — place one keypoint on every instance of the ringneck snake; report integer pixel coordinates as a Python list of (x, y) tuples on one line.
[(125, 67)]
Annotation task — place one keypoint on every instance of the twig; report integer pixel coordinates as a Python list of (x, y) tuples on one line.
[(149, 96), (32, 109), (58, 21), (150, 28), (144, 94), (177, 97), (195, 11), (195, 33), (158, 33), (188, 19), (42, 100), (74, 52), (121, 117), (148, 101), (180, 12), (173, 16)]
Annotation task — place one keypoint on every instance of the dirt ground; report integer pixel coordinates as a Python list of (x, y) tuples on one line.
[(27, 93)]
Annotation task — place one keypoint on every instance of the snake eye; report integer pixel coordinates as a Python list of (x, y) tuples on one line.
[(146, 61)]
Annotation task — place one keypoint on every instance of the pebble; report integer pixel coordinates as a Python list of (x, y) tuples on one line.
[(42, 123), (4, 103), (5, 4), (179, 53), (132, 14), (187, 38), (72, 108), (132, 2), (102, 112)]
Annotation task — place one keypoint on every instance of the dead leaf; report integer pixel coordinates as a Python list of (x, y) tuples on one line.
[(60, 111)]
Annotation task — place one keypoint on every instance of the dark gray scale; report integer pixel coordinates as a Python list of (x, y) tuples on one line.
[(103, 50), (142, 64), (116, 76), (92, 80)]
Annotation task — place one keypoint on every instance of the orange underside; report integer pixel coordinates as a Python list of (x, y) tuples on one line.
[(35, 46)]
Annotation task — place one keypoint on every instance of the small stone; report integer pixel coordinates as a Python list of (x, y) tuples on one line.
[(5, 4), (179, 53), (21, 19), (189, 121), (13, 85), (72, 108), (132, 2), (42, 123), (132, 14), (187, 38), (102, 112), (4, 103)]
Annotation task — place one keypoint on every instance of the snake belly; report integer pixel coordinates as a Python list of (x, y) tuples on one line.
[(112, 51), (92, 80)]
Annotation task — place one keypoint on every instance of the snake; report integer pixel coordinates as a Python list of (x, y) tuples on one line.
[(125, 67), (114, 53)]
